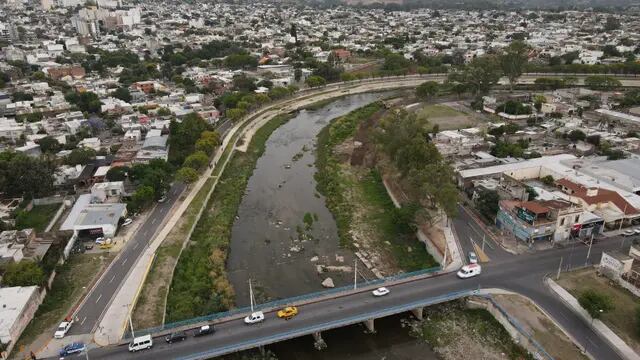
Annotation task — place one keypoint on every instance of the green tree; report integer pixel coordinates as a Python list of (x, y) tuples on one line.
[(183, 137), (235, 114), (595, 303), (427, 90), (208, 142), (487, 203), (49, 144), (187, 175), (141, 199), (118, 173), (577, 135), (197, 160), (315, 81), (23, 273), (80, 156), (123, 94), (612, 23), (480, 75), (22, 175), (602, 82), (85, 101), (513, 60)]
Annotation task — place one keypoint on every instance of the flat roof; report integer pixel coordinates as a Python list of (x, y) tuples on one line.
[(513, 166), (102, 171), (100, 214), (13, 301)]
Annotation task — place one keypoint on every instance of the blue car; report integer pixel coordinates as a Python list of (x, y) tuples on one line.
[(71, 349)]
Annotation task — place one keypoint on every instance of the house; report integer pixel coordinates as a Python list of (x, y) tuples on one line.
[(154, 147), (101, 174), (91, 143), (101, 192), (18, 305)]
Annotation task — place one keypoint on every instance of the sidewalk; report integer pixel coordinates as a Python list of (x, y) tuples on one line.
[(596, 325), (453, 247)]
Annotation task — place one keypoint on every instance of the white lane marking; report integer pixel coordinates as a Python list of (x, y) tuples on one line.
[(98, 299), (83, 319), (135, 246), (591, 341), (153, 221), (124, 261), (145, 233), (112, 279)]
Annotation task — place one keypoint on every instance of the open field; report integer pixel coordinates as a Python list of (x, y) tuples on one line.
[(446, 117), (38, 218), (622, 319)]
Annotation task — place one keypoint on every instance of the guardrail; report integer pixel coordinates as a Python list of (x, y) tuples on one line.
[(344, 290)]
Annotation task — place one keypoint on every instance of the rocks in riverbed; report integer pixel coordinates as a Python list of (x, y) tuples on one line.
[(314, 259)]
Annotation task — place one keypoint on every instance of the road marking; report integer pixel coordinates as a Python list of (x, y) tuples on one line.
[(98, 299), (112, 279), (124, 261), (83, 319), (591, 341), (153, 221), (145, 233), (135, 246)]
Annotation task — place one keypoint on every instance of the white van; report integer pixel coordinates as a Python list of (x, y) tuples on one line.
[(141, 343), (470, 270)]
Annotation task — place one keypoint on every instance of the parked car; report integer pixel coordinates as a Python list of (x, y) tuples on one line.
[(288, 312), (473, 258), (127, 222), (468, 271), (254, 317), (381, 291), (637, 230), (162, 199), (141, 343), (176, 336), (71, 349), (628, 233), (62, 329), (103, 240), (205, 330)]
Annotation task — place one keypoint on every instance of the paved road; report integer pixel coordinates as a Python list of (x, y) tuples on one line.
[(523, 274), (90, 311)]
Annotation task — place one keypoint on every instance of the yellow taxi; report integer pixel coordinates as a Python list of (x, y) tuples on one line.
[(288, 312)]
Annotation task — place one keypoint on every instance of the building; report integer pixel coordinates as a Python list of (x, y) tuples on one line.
[(154, 147), (101, 192), (18, 305), (93, 220)]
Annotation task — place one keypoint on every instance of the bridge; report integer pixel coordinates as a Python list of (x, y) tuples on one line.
[(336, 308)]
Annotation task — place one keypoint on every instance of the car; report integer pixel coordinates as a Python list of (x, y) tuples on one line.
[(636, 230), (103, 240), (141, 343), (473, 258), (71, 349), (62, 329), (176, 336), (288, 312), (468, 271), (205, 330), (100, 240), (127, 221), (628, 233), (254, 317), (381, 291), (162, 199)]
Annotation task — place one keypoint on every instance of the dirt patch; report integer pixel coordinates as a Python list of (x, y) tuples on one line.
[(543, 330), (622, 318), (447, 118)]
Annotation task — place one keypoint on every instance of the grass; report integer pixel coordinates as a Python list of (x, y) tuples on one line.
[(445, 117), (436, 110), (200, 285), (451, 326), (622, 319), (401, 238), (38, 218), (72, 279)]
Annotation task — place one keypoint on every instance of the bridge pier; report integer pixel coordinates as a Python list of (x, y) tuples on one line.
[(318, 341), (370, 326), (417, 312)]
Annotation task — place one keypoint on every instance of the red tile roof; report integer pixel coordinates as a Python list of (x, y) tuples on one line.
[(602, 196)]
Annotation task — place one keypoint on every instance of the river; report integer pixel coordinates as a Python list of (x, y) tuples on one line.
[(268, 245)]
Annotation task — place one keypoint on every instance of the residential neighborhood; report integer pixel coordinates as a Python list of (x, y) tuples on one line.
[(181, 177)]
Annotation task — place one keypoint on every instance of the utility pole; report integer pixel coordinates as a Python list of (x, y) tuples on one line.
[(251, 295), (483, 239), (133, 335), (355, 274), (559, 269), (589, 251)]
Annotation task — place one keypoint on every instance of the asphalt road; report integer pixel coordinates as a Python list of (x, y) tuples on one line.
[(89, 313), (523, 274)]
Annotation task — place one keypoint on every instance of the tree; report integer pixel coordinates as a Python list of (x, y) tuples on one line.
[(533, 194), (80, 156), (297, 74), (85, 101), (187, 175), (487, 203), (142, 198), (547, 180), (602, 82), (22, 175), (197, 160), (611, 24), (395, 63), (427, 90), (23, 273), (118, 173), (49, 144), (315, 81), (183, 137), (593, 139), (123, 94), (595, 303), (576, 135), (481, 74), (513, 60), (235, 114)]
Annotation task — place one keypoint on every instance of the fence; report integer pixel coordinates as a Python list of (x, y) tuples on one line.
[(281, 302)]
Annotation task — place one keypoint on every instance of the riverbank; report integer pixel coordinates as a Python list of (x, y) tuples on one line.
[(366, 217), (200, 285)]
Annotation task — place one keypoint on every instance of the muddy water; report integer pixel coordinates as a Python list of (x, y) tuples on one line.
[(270, 243)]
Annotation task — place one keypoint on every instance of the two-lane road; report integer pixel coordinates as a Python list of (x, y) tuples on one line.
[(94, 304)]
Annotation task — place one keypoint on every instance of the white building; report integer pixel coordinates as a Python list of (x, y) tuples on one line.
[(17, 307)]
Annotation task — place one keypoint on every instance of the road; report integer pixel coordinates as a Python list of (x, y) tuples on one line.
[(90, 311), (522, 273)]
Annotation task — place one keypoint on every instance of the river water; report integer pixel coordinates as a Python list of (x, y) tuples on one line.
[(272, 246)]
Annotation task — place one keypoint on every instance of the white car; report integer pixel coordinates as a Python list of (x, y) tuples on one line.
[(162, 199), (628, 233), (62, 329), (381, 291), (127, 221), (473, 258), (255, 317), (468, 271), (636, 230), (103, 240)]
